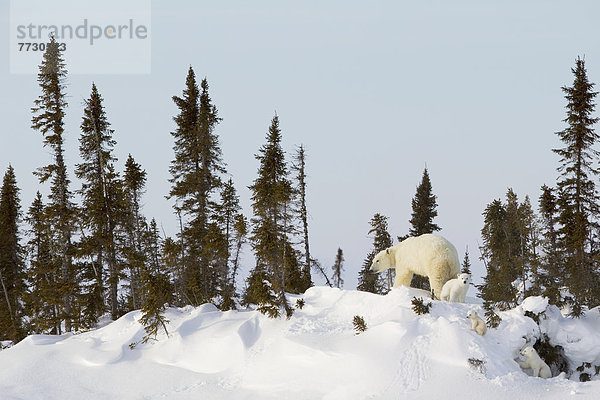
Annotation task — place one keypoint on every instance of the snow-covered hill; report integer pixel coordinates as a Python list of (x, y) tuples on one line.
[(314, 355)]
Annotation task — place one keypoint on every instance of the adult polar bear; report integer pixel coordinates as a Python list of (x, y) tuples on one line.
[(427, 255)]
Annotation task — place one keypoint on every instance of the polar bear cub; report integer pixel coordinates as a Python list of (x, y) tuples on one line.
[(455, 290), (533, 361), (477, 324)]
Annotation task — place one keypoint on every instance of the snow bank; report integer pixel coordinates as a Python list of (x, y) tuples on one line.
[(313, 355)]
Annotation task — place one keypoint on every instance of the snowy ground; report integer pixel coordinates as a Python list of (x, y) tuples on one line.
[(314, 355)]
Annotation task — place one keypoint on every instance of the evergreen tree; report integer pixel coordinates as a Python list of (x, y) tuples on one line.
[(530, 248), (337, 268), (552, 274), (424, 208), (299, 167), (134, 182), (368, 281), (103, 199), (423, 212), (272, 194), (509, 252), (12, 270), (195, 176), (43, 301), (229, 218), (240, 226), (466, 264), (154, 283), (578, 208), (48, 118)]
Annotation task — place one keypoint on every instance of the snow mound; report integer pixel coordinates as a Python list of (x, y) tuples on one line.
[(315, 354)]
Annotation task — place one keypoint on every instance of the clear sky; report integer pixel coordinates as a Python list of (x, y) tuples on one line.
[(375, 90)]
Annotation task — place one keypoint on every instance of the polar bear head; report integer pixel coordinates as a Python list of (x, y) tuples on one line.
[(464, 279), (472, 314), (382, 261), (528, 351)]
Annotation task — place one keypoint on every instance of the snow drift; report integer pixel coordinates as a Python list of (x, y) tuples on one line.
[(315, 354)]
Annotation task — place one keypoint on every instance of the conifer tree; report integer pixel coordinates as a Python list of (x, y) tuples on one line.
[(337, 268), (134, 182), (272, 194), (103, 198), (229, 218), (530, 249), (155, 284), (466, 264), (552, 274), (299, 167), (240, 226), (507, 251), (423, 212), (12, 271), (43, 300), (368, 281), (195, 176), (48, 118), (578, 208)]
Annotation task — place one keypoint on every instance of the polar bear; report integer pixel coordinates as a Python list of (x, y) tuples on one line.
[(427, 255), (477, 324), (533, 361), (455, 290)]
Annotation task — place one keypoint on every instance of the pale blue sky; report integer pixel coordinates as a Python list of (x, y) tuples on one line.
[(374, 90)]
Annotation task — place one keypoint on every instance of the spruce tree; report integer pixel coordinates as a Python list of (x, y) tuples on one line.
[(155, 285), (466, 264), (48, 118), (195, 177), (134, 182), (578, 208), (423, 212), (552, 274), (530, 248), (368, 281), (299, 167), (103, 198), (229, 218), (337, 268), (12, 270), (509, 251), (272, 195), (43, 301)]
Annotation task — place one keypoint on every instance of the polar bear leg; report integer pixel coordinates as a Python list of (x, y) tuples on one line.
[(436, 284), (403, 279), (523, 364)]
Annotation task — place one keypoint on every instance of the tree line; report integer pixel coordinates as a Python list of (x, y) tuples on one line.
[(556, 251), (89, 251)]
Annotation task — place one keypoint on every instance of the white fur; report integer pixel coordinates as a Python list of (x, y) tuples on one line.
[(533, 361), (427, 255), (455, 290), (477, 324)]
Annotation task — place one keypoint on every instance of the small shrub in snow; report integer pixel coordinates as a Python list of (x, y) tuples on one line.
[(492, 319), (576, 307), (585, 377), (553, 355), (585, 371), (477, 365), (300, 303), (419, 307), (269, 310), (359, 324), (534, 316)]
